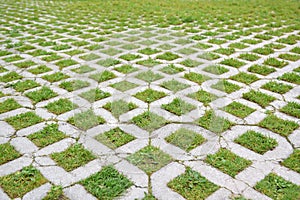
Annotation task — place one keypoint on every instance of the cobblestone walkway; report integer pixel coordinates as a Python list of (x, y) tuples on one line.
[(147, 112)]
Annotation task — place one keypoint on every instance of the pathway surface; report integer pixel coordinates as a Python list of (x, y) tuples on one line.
[(161, 109)]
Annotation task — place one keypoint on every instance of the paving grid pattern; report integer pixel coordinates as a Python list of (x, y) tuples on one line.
[(113, 47)]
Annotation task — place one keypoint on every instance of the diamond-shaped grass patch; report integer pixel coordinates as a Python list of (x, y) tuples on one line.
[(56, 192), (61, 106), (130, 57), (24, 120), (187, 51), (107, 184), (73, 157), (86, 120), (293, 161), (172, 69), (11, 76), (148, 51), (256, 142), (275, 63), (261, 69), (185, 139), (16, 185), (108, 62), (278, 125), (2, 69), (57, 76), (277, 87), (225, 86), (65, 63), (292, 108), (290, 57), (89, 57), (203, 96), (103, 76), (40, 69), (74, 85), (25, 64), (168, 56), (149, 159), (227, 162), (49, 135), (22, 86), (149, 95), (209, 56), (149, 62), (94, 95), (13, 58), (174, 85), (178, 107), (197, 78), (114, 138), (149, 121), (111, 51), (238, 109), (124, 86), (8, 153), (233, 62), (215, 69), (126, 69), (149, 76), (214, 123), (249, 56), (244, 78), (278, 188), (259, 98), (42, 94), (191, 185), (190, 63), (290, 77), (119, 107), (83, 69), (8, 105)]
